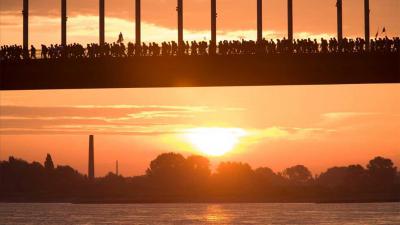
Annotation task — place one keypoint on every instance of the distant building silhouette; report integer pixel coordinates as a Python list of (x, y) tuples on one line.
[(91, 157)]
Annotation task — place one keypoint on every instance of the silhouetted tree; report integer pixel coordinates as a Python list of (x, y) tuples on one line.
[(333, 177), (298, 174), (267, 176), (234, 170), (172, 177), (234, 177), (167, 165), (198, 167), (48, 164), (168, 171), (382, 171), (350, 179)]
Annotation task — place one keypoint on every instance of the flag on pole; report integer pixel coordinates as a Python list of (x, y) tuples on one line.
[(384, 30)]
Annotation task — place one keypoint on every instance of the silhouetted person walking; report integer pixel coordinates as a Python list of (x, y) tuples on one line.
[(120, 38)]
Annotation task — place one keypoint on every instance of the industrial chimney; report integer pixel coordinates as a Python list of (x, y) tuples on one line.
[(91, 157)]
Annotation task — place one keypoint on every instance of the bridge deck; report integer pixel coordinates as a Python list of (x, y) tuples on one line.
[(200, 71)]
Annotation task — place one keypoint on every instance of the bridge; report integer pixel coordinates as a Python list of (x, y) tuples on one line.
[(200, 71)]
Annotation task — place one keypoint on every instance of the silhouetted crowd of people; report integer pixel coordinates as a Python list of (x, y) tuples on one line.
[(194, 48)]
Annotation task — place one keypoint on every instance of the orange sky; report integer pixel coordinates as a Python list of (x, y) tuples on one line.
[(236, 18), (318, 126)]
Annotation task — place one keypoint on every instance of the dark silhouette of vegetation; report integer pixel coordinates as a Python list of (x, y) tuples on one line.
[(173, 178)]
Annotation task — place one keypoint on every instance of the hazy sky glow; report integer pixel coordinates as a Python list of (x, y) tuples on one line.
[(236, 19), (319, 126)]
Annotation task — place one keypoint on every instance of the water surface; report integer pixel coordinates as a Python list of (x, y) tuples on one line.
[(189, 214)]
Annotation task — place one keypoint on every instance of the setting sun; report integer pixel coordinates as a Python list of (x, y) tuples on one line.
[(214, 141)]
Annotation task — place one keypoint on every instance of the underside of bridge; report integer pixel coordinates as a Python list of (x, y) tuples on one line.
[(200, 71)]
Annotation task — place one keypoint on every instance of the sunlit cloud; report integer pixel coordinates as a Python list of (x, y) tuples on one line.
[(346, 115), (110, 119), (287, 133), (352, 120)]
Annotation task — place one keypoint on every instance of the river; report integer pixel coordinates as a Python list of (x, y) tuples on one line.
[(189, 214)]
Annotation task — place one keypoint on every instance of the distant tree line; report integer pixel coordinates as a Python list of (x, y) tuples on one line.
[(173, 178)]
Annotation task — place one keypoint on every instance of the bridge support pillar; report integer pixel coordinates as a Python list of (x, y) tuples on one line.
[(213, 44), (259, 21), (138, 27), (101, 22), (366, 18), (25, 14), (181, 43), (290, 20), (339, 7), (63, 22)]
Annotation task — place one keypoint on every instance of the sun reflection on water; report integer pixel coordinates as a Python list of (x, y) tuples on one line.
[(216, 215)]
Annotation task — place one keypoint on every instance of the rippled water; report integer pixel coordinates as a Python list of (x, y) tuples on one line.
[(188, 214)]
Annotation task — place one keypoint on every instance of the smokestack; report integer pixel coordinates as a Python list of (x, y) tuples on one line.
[(339, 6), (64, 22), (25, 14), (101, 22), (180, 26), (116, 168), (259, 20), (213, 27), (290, 20), (91, 157), (138, 26), (366, 15)]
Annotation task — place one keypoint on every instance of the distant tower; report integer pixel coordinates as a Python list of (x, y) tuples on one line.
[(91, 157), (116, 168)]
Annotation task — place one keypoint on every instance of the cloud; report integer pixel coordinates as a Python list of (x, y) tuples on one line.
[(348, 120), (347, 115), (277, 133), (107, 119)]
